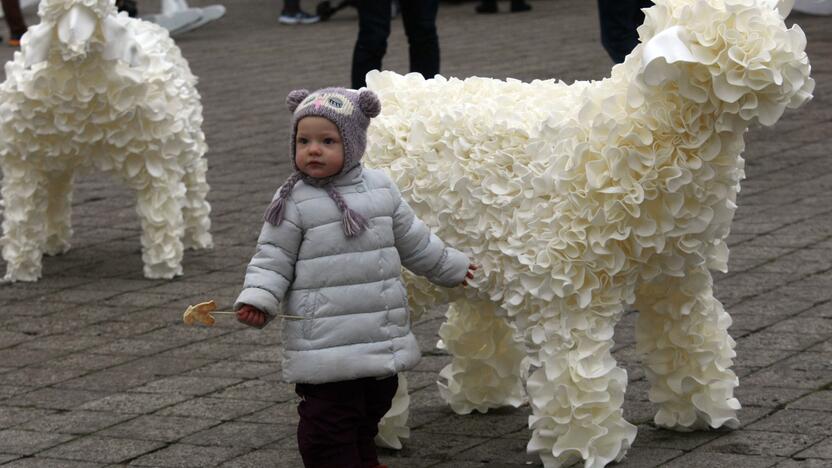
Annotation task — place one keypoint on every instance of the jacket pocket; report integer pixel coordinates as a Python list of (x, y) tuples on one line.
[(310, 311)]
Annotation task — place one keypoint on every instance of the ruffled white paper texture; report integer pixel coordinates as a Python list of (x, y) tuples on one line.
[(579, 200), (93, 89)]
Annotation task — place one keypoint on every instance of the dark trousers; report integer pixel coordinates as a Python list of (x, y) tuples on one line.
[(339, 420), (14, 17), (619, 20), (419, 18)]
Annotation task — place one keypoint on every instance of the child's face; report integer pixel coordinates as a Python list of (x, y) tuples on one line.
[(319, 150)]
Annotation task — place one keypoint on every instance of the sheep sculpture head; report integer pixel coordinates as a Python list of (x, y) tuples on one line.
[(582, 200), (75, 28)]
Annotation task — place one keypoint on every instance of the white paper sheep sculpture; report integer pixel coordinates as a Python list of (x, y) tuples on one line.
[(581, 200), (93, 89)]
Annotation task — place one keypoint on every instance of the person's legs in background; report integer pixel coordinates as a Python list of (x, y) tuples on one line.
[(419, 18), (373, 31), (14, 19), (292, 14), (619, 21)]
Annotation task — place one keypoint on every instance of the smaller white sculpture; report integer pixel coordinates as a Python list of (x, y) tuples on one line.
[(177, 17), (91, 88)]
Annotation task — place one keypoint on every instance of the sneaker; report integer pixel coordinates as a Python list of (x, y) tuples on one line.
[(301, 17)]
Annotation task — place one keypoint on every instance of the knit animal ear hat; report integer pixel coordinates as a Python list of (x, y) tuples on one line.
[(350, 111)]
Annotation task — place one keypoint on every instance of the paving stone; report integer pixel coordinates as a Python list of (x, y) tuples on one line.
[(85, 361), (133, 403), (11, 416), (822, 449), (187, 385), (260, 390), (74, 422), (161, 428), (781, 341), (746, 442), (767, 397), (806, 370), (645, 457), (804, 463), (37, 376), (20, 357), (239, 369), (159, 365), (28, 442), (707, 460), (271, 354), (265, 458), (65, 343), (41, 462), (108, 380), (188, 456), (795, 421), (7, 391), (240, 434), (650, 436), (218, 408), (494, 423), (133, 347), (102, 449), (497, 450), (53, 398), (282, 413), (820, 401)]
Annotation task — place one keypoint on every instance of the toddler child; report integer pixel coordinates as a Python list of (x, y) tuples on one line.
[(330, 255)]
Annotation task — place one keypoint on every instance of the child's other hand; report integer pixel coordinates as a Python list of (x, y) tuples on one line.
[(251, 316), (470, 275)]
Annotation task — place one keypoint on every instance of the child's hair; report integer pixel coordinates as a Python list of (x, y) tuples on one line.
[(350, 111)]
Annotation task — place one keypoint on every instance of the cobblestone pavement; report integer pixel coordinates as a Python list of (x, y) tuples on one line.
[(97, 370)]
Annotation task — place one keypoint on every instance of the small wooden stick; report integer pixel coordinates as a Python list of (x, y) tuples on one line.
[(203, 313)]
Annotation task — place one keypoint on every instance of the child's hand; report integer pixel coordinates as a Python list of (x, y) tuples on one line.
[(251, 316), (470, 275)]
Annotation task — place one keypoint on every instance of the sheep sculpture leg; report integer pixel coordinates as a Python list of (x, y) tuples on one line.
[(489, 365), (159, 206), (577, 390), (59, 211), (196, 209), (682, 334), (24, 222)]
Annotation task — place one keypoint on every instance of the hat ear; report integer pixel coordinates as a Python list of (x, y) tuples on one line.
[(295, 97), (368, 103)]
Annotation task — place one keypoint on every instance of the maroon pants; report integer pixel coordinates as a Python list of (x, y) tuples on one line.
[(339, 420)]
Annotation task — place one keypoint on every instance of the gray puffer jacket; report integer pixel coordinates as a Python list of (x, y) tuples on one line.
[(347, 293)]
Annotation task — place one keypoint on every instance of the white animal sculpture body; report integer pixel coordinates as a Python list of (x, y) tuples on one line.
[(93, 89), (581, 200)]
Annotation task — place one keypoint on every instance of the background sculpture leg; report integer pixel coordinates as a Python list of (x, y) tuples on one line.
[(160, 209), (682, 334), (489, 365), (196, 210), (59, 212), (24, 219), (393, 427), (577, 390)]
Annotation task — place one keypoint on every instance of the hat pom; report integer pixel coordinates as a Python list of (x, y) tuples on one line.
[(368, 103), (295, 97)]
